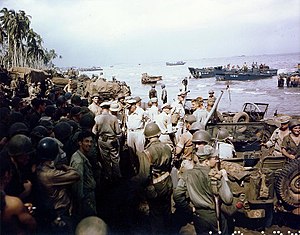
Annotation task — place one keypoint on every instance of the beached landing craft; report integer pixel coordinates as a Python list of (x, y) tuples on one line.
[(242, 76), (146, 79), (175, 63)]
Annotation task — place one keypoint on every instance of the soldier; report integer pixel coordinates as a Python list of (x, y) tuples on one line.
[(223, 145), (135, 127), (14, 86), (198, 183), (211, 98), (199, 110), (94, 106), (153, 111), (69, 86), (291, 143), (164, 94), (164, 123), (278, 136), (159, 190), (184, 147), (53, 186), (178, 112), (19, 149), (108, 130), (152, 92), (31, 91), (83, 190)]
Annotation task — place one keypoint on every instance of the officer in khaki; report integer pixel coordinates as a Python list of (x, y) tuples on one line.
[(135, 127), (108, 129)]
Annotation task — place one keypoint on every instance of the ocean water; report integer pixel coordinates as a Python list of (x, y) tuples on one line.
[(284, 100)]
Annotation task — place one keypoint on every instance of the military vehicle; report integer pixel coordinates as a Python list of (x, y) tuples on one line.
[(261, 184)]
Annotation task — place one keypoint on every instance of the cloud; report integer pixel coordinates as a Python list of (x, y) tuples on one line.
[(117, 29)]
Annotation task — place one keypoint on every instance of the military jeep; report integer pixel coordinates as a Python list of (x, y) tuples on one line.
[(261, 184)]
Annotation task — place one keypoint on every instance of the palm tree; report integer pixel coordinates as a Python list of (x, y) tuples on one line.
[(19, 44)]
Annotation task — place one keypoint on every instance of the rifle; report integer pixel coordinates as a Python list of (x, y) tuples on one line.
[(214, 184)]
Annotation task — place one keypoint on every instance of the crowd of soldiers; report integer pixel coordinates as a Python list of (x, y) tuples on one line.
[(67, 160), (70, 162)]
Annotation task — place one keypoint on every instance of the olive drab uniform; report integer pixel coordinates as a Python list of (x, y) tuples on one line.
[(159, 189), (83, 191), (197, 184)]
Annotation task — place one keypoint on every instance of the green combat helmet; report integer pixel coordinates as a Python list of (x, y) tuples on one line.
[(196, 126), (293, 123), (19, 145), (47, 149), (222, 134), (151, 130), (201, 136), (91, 225)]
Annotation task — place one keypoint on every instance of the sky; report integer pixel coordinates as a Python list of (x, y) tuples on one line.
[(108, 32)]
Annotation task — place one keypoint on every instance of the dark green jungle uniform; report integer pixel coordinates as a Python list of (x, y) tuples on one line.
[(155, 164), (197, 185), (83, 191)]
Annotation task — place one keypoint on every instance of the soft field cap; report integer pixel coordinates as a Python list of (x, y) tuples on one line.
[(114, 107), (284, 119), (166, 106), (105, 103)]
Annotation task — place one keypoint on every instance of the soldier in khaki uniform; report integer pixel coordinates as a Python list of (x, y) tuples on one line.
[(108, 129)]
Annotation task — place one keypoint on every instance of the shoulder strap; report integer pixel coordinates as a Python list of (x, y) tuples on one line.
[(148, 155)]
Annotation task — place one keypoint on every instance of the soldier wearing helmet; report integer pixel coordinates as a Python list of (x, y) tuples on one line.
[(196, 126), (201, 138), (278, 135), (53, 185), (19, 149), (223, 144), (184, 147), (184, 150), (291, 143), (157, 157), (195, 186)]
